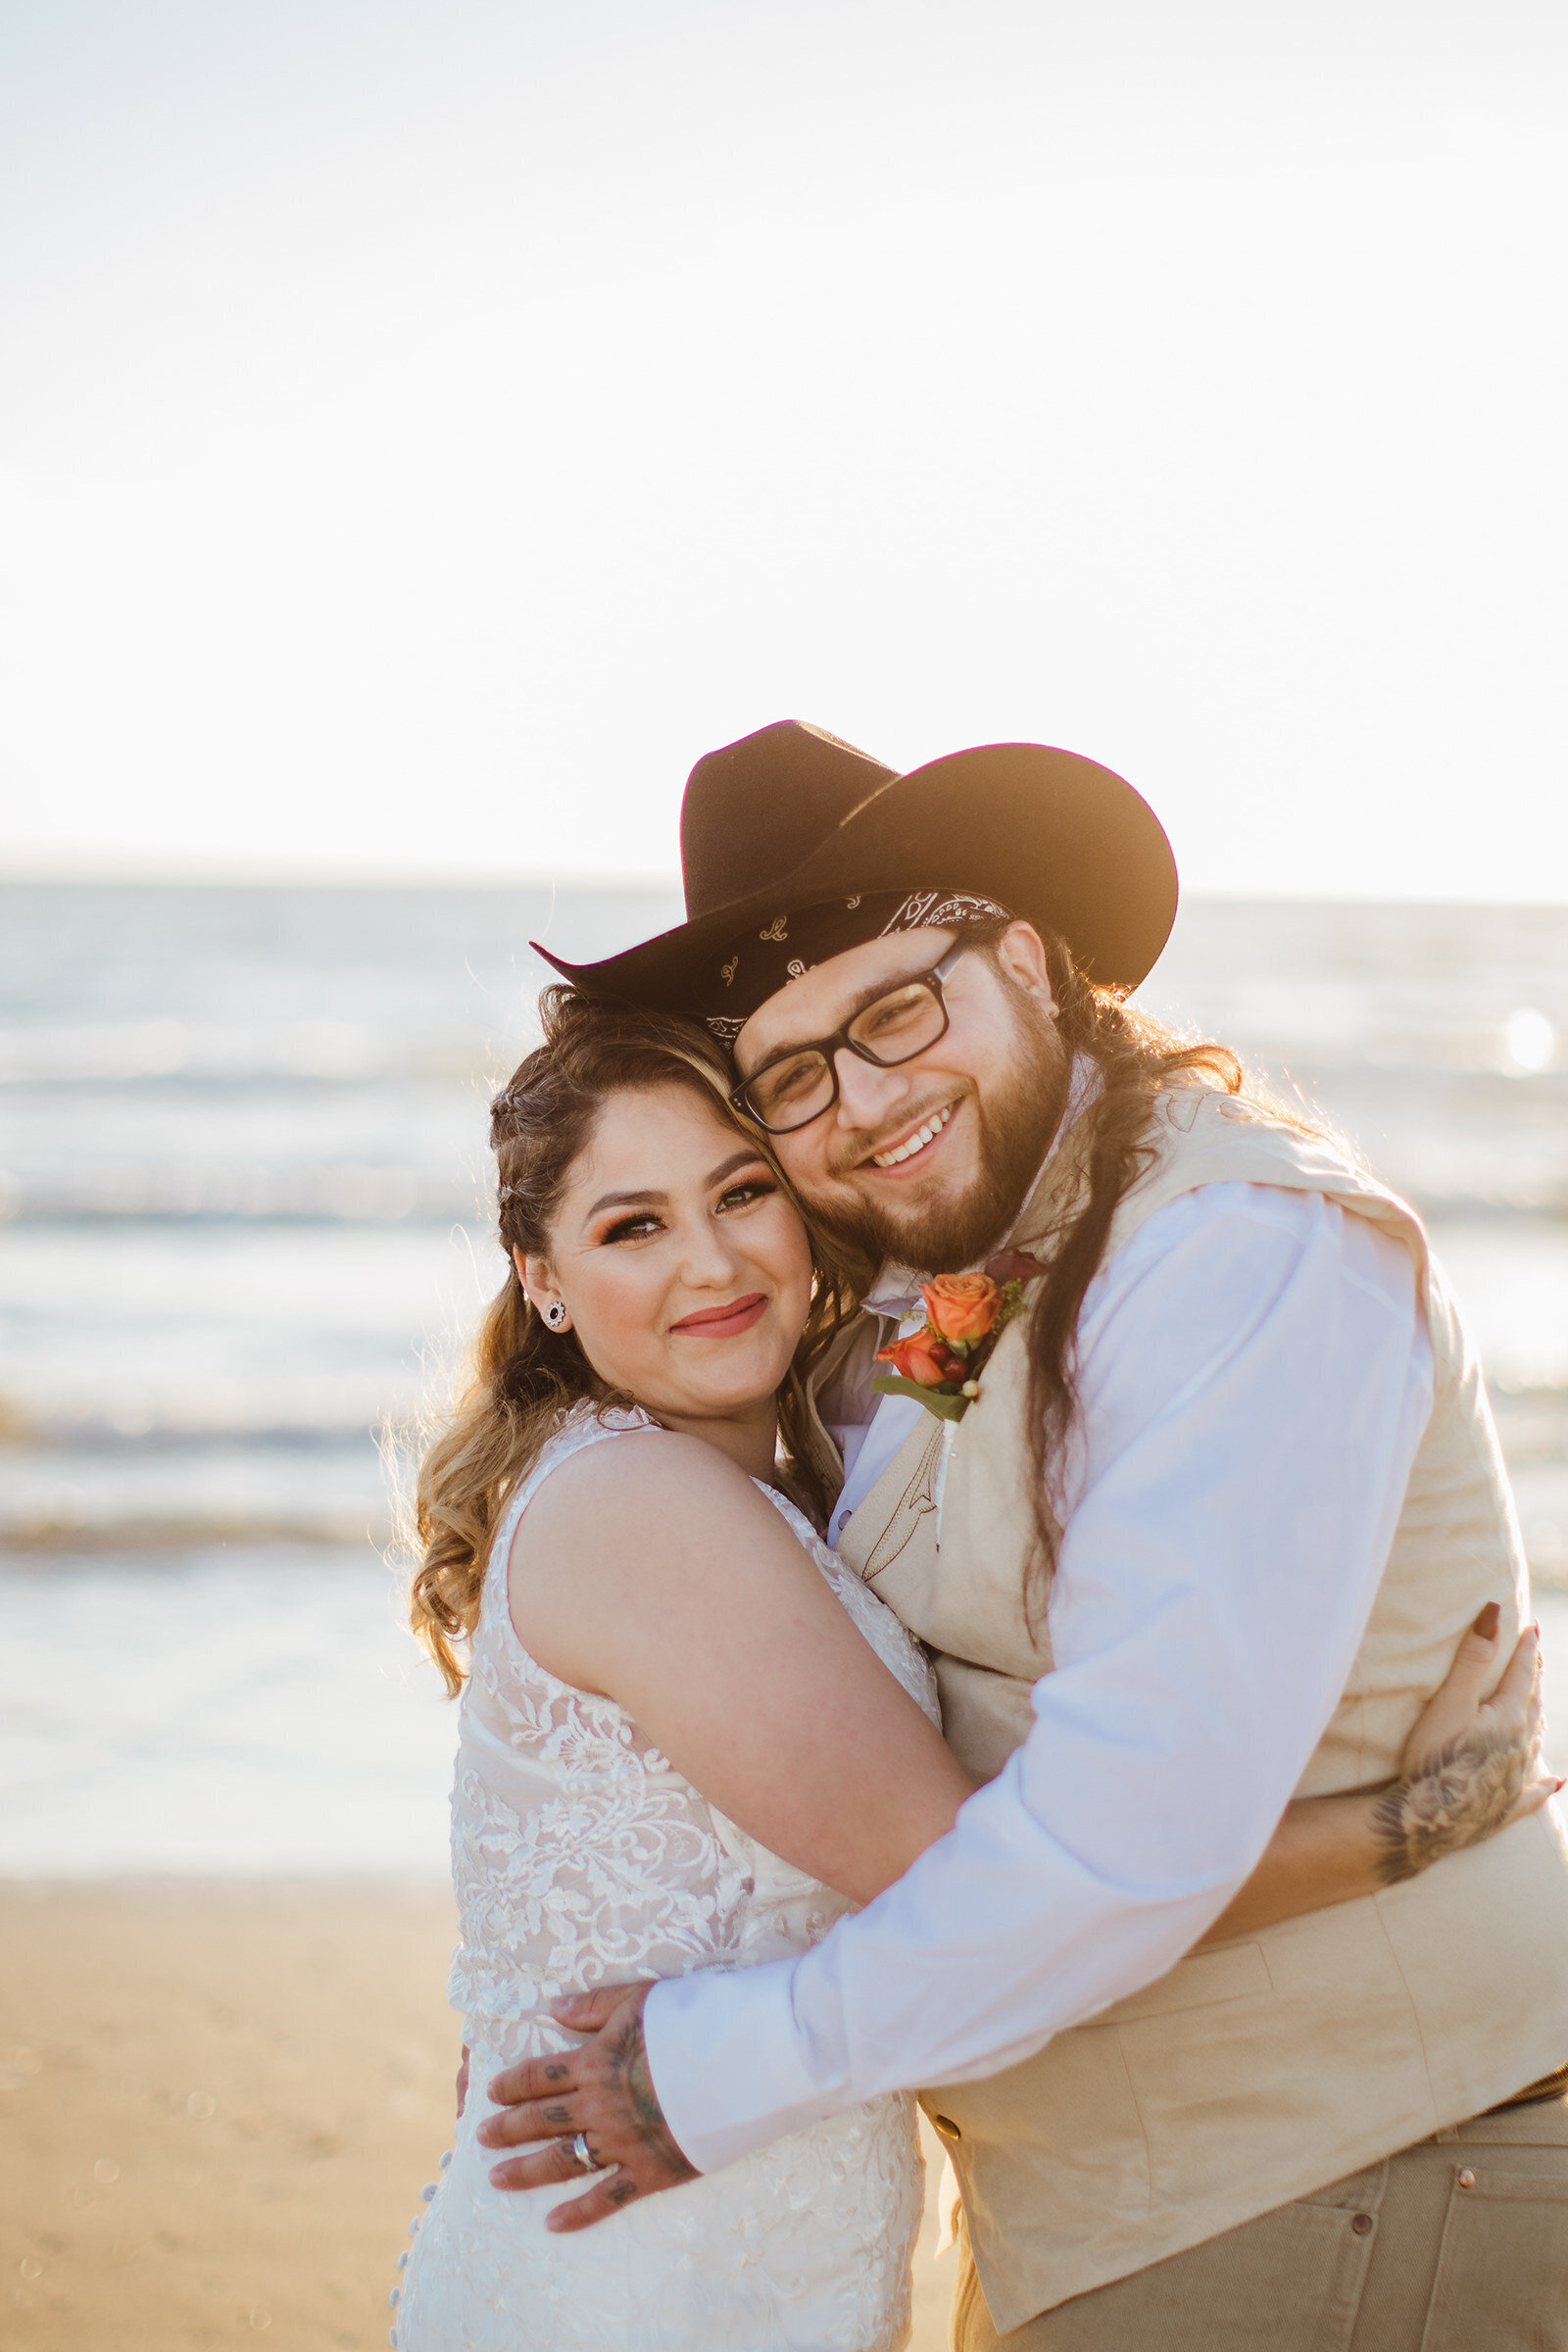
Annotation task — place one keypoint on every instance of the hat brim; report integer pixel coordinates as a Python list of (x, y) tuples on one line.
[(1064, 843)]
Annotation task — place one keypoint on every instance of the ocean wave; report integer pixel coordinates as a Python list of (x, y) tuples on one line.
[(343, 1193), (106, 1053), (69, 1538), (95, 1490)]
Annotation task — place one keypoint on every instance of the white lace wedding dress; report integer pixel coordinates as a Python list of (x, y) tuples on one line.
[(581, 1857)]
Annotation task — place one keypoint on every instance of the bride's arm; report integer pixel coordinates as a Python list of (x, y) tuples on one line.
[(652, 1571), (1471, 1766)]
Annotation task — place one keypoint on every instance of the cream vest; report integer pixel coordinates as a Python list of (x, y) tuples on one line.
[(1259, 2070)]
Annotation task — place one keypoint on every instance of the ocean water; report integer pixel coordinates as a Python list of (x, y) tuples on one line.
[(244, 1226)]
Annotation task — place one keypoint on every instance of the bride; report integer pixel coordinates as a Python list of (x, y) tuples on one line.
[(689, 1736)]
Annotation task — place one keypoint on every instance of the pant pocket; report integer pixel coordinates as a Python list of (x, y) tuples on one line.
[(1502, 2269)]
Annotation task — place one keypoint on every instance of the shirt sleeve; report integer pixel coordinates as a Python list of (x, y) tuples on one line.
[(1255, 1375)]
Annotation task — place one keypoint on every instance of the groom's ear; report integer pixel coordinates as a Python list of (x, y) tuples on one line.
[(1021, 953)]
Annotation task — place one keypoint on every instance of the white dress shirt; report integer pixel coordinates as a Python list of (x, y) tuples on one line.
[(1255, 1375)]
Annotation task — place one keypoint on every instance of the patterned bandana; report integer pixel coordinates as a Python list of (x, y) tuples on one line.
[(757, 965)]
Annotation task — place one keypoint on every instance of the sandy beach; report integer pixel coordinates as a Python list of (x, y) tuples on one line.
[(220, 2104)]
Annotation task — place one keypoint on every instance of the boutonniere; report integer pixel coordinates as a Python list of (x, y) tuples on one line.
[(965, 1315)]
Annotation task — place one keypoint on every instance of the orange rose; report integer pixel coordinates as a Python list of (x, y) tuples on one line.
[(962, 1306), (923, 1359)]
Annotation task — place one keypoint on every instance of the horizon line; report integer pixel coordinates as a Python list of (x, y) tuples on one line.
[(237, 874)]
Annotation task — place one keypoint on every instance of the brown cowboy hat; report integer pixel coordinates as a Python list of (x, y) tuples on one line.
[(790, 816)]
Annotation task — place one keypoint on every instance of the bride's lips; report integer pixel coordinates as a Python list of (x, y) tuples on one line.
[(724, 1322)]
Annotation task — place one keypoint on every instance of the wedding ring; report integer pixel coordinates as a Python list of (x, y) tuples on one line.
[(584, 2153)]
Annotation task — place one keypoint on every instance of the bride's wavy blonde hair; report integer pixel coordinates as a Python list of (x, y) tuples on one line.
[(519, 1374)]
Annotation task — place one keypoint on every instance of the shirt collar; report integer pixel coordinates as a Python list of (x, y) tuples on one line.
[(896, 1291)]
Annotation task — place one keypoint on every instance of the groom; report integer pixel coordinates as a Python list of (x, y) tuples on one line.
[(1272, 1502)]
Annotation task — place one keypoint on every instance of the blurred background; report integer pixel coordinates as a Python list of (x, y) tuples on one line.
[(424, 432), (250, 1221)]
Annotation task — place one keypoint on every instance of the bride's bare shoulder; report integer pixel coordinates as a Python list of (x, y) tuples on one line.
[(646, 1479), (624, 1539)]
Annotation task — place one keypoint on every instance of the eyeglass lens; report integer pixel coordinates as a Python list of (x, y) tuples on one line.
[(893, 1029)]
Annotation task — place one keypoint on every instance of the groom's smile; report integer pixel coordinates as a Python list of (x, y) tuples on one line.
[(918, 1143)]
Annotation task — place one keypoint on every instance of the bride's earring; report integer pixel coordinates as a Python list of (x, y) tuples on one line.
[(555, 1315)]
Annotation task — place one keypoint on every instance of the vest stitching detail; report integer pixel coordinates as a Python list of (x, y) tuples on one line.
[(917, 1502), (1413, 2005)]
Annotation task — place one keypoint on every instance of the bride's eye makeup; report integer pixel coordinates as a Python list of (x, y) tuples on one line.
[(750, 1189), (633, 1228), (638, 1224)]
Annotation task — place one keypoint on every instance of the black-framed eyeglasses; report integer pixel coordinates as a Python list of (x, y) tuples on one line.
[(804, 1083)]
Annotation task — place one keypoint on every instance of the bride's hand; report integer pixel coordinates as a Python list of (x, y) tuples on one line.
[(1473, 1763), (1470, 1767)]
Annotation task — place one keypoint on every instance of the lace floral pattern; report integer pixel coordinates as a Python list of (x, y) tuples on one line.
[(581, 1857)]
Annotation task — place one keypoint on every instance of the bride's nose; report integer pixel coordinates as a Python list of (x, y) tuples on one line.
[(709, 1260)]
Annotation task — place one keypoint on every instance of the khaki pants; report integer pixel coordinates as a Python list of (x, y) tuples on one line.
[(1459, 2244)]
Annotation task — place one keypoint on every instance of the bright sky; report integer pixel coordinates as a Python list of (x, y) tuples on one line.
[(424, 429)]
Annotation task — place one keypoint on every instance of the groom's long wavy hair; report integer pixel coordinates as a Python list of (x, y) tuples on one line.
[(520, 1376), (1136, 1057)]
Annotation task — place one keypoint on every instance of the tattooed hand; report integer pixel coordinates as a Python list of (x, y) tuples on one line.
[(603, 2089), (1473, 1763)]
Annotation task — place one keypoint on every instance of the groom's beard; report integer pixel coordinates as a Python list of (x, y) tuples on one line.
[(1016, 1124)]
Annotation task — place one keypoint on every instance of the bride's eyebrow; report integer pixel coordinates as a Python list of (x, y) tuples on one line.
[(639, 1199), (649, 1198), (729, 1168)]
